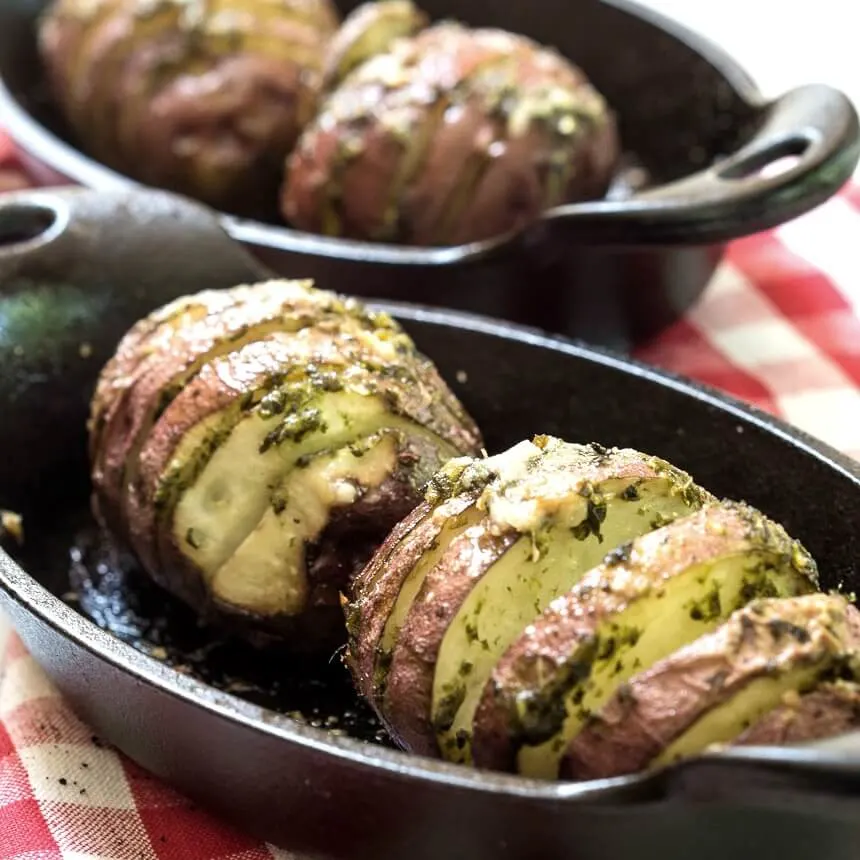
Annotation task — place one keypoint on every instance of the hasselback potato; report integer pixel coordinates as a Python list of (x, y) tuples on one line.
[(576, 611), (452, 136), (253, 446), (203, 98), (646, 600), (495, 542)]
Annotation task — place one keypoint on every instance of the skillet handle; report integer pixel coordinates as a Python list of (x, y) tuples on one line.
[(815, 124)]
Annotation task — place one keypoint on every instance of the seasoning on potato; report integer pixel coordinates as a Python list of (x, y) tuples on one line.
[(254, 446), (452, 136), (206, 99), (715, 688), (496, 541), (647, 599)]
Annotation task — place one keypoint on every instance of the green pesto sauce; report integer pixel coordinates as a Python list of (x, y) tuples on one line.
[(595, 515)]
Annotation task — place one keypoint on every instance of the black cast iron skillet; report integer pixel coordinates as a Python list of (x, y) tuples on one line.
[(612, 271), (76, 269)]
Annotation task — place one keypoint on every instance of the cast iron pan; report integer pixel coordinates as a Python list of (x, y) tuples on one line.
[(77, 268), (612, 271)]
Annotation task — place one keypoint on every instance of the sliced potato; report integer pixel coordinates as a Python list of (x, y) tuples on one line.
[(537, 516), (449, 136), (715, 688), (648, 598), (261, 444), (830, 709)]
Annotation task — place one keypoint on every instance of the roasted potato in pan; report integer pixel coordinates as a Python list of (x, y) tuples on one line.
[(648, 598), (497, 540), (253, 446), (452, 136), (203, 98), (712, 690)]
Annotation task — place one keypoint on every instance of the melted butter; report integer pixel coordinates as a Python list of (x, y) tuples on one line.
[(534, 481)]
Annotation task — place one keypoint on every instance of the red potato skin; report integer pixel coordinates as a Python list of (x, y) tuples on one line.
[(376, 588), (572, 621), (422, 168), (660, 704), (409, 693), (181, 144), (120, 371), (826, 712), (159, 334)]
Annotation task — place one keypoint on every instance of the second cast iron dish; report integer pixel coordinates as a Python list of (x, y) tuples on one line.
[(612, 272)]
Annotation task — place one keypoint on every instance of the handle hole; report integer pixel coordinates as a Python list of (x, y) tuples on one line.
[(775, 158), (24, 222)]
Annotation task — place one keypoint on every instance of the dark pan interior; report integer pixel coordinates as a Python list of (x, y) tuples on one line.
[(290, 786), (514, 389), (681, 105)]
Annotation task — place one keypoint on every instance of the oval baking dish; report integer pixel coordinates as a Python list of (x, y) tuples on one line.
[(611, 271)]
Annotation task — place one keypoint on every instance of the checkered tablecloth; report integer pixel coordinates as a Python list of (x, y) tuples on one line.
[(778, 327)]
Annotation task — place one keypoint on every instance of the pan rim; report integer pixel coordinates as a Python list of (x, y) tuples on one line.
[(20, 588), (64, 158)]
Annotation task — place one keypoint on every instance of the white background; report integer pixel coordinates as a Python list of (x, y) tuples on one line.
[(781, 44)]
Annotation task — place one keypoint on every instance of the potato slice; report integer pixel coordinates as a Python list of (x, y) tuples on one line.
[(377, 588), (367, 31), (133, 352), (647, 599), (828, 710), (539, 515), (254, 447), (265, 573), (203, 98), (712, 690), (175, 353)]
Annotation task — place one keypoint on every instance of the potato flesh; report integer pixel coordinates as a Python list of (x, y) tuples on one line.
[(517, 588), (452, 529), (727, 721), (225, 503), (228, 344), (714, 589), (266, 574)]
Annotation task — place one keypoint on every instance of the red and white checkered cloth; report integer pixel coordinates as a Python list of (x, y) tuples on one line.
[(778, 327)]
